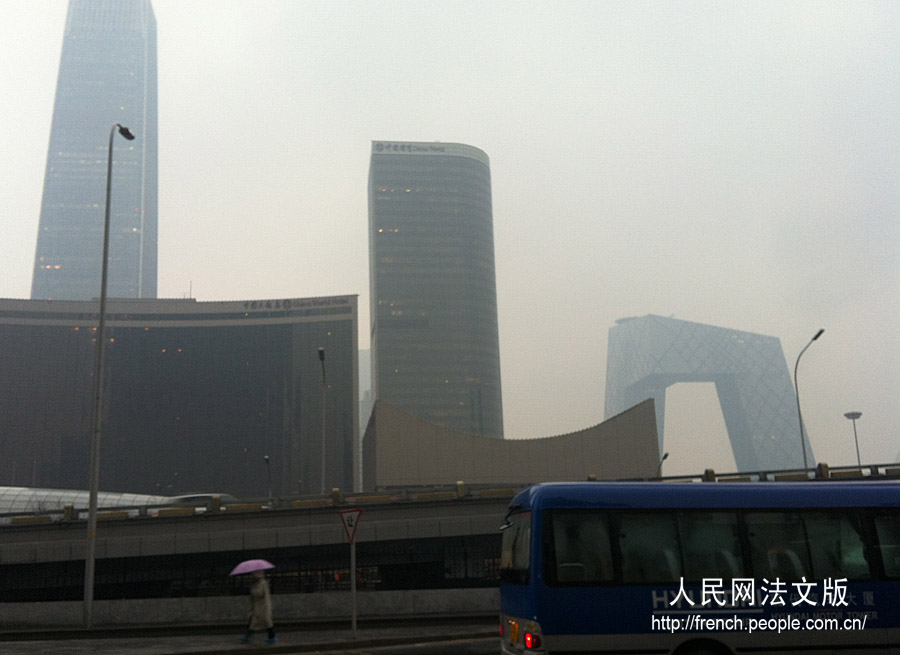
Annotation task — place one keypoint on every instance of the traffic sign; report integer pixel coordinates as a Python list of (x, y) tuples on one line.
[(350, 519)]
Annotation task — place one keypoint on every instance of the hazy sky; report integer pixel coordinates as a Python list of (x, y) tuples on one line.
[(729, 163)]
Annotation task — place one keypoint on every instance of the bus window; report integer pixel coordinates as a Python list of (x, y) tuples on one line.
[(515, 549), (581, 552), (836, 546), (777, 546), (650, 548), (887, 526), (712, 547)]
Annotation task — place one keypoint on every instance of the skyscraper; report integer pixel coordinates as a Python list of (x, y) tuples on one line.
[(435, 343), (197, 395), (107, 75), (648, 354)]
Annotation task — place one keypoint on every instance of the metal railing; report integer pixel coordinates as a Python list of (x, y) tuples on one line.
[(437, 493)]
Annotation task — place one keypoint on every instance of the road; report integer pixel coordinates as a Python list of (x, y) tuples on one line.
[(462, 639), (455, 647)]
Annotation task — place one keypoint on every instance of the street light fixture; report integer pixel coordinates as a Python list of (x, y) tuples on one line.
[(322, 360), (853, 416), (797, 391), (90, 558), (269, 477), (659, 468)]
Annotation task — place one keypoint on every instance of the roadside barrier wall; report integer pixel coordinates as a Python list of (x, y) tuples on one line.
[(325, 606)]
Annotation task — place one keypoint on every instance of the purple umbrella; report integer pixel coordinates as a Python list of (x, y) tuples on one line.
[(252, 565)]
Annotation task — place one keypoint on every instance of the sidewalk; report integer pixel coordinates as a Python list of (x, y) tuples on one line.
[(217, 639)]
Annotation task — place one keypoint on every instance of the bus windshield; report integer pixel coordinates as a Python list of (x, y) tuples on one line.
[(515, 551)]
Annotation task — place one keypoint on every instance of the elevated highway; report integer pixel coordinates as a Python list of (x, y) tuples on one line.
[(250, 527), (432, 551)]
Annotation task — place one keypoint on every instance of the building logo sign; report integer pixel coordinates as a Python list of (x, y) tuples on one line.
[(415, 148), (296, 304)]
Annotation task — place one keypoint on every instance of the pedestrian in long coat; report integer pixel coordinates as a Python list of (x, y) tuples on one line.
[(260, 609)]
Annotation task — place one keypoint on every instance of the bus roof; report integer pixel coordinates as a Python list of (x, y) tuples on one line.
[(679, 495)]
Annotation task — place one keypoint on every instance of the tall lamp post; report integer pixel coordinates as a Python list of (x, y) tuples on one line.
[(269, 478), (853, 416), (659, 468), (90, 557), (322, 360), (797, 391)]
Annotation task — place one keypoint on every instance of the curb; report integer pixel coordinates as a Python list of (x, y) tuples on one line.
[(352, 644)]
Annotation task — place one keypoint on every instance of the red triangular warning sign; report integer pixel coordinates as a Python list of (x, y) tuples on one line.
[(350, 519)]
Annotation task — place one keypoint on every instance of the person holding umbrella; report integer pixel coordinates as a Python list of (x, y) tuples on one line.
[(260, 599)]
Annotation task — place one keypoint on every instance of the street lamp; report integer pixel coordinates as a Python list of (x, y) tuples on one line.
[(797, 391), (659, 468), (322, 359), (269, 476), (90, 558), (853, 416)]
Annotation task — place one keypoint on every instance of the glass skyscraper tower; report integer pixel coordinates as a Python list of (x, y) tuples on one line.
[(435, 343), (107, 75)]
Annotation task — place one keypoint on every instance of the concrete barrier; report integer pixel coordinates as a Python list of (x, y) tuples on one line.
[(233, 609)]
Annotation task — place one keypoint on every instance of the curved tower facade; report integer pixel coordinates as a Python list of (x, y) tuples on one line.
[(435, 343), (197, 394)]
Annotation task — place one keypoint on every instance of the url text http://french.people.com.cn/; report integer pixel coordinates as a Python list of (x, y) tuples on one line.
[(748, 605)]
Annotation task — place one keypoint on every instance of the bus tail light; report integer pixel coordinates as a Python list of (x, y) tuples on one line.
[(532, 640)]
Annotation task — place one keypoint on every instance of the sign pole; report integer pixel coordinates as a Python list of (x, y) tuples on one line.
[(353, 585), (350, 519)]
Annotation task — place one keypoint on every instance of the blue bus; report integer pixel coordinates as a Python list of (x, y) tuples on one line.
[(702, 568)]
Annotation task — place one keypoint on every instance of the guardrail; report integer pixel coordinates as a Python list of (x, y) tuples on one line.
[(822, 472), (214, 504), (447, 493)]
